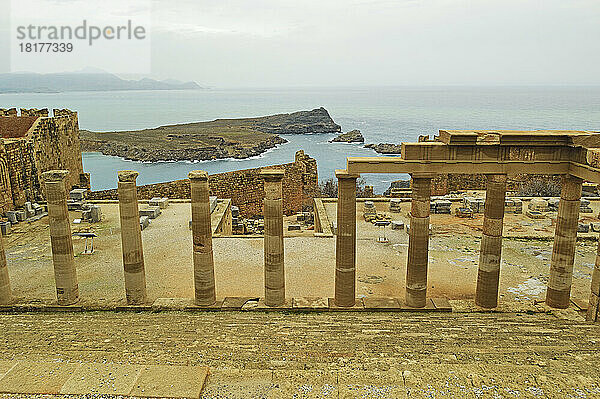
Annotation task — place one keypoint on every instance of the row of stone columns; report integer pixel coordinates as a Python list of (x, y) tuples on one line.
[(559, 285), (561, 270)]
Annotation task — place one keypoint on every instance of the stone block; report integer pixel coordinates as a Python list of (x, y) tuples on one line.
[(74, 205), (28, 377), (397, 225), (310, 303), (162, 203), (261, 305), (12, 217), (29, 211), (21, 216), (294, 227), (381, 304), (442, 304), (583, 228), (102, 378), (95, 214), (144, 222), (5, 228), (170, 382), (152, 212), (236, 303), (78, 194), (535, 214), (213, 202), (539, 205), (38, 209)]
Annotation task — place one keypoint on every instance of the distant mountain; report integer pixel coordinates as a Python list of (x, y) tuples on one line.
[(83, 81)]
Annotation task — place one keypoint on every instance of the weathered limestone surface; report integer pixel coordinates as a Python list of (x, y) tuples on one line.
[(5, 292), (593, 312), (345, 244), (131, 239), (365, 354), (65, 274), (490, 254), (204, 268), (273, 241), (558, 294), (418, 244)]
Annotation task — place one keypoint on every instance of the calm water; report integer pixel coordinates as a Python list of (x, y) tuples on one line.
[(383, 115)]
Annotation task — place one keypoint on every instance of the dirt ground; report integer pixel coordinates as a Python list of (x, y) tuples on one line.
[(310, 261)]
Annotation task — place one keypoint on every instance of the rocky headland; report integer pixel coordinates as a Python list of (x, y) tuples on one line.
[(218, 139), (353, 136), (385, 148)]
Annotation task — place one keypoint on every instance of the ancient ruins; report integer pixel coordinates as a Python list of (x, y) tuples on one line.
[(498, 155), (32, 143)]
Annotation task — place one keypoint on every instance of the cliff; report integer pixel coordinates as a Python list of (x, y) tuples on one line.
[(218, 139)]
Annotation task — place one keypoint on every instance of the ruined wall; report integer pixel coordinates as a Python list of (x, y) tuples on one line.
[(5, 189), (244, 187), (19, 156), (57, 145), (447, 183), (32, 144)]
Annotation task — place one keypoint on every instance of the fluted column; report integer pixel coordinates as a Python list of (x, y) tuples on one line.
[(418, 241), (204, 268), (593, 311), (490, 253), (131, 239), (345, 242), (273, 244), (558, 294), (65, 273), (5, 292)]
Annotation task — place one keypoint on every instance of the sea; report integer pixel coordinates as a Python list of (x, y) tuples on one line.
[(382, 114)]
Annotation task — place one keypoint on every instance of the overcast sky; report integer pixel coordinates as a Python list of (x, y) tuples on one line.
[(234, 43)]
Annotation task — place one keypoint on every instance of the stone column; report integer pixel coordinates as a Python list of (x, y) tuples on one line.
[(5, 292), (274, 258), (418, 241), (345, 241), (558, 294), (65, 273), (593, 311), (204, 268), (488, 277), (131, 239)]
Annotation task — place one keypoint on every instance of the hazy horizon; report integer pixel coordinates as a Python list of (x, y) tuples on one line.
[(369, 43)]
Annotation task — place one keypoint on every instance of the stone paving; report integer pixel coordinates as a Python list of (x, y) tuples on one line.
[(551, 354)]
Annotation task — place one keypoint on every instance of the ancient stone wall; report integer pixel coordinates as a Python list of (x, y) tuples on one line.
[(19, 156), (31, 144), (57, 145), (447, 183), (244, 187)]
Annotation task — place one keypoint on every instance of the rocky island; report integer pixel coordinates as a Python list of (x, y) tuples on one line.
[(218, 139), (385, 148), (353, 136)]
